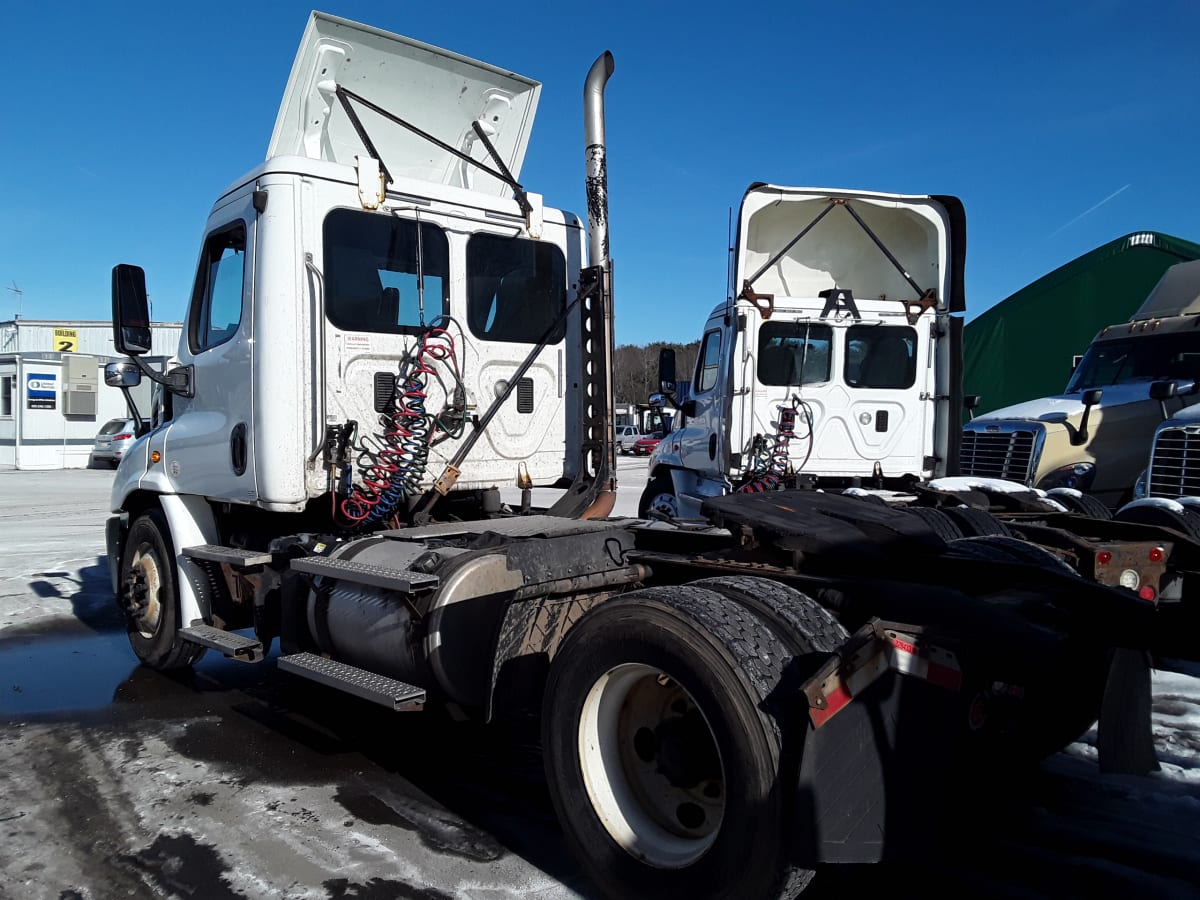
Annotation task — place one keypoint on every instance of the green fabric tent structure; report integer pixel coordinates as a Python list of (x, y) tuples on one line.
[(1024, 346)]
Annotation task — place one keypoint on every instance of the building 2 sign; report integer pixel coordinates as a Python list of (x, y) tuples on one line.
[(66, 340), (41, 390)]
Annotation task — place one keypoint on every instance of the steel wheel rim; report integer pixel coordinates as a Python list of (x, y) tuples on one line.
[(666, 503), (145, 568), (664, 824)]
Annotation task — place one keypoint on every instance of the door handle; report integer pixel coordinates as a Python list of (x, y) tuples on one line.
[(237, 448)]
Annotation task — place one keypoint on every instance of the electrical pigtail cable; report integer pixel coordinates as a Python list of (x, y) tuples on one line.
[(769, 463), (394, 462)]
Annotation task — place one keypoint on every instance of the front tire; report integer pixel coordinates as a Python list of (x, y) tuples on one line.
[(149, 596), (659, 497), (663, 747)]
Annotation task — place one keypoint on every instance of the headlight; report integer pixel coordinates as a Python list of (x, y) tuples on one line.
[(1140, 487), (1077, 475)]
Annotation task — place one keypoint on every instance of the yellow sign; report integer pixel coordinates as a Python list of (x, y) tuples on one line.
[(66, 340)]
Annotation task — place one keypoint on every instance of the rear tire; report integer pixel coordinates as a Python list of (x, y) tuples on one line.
[(999, 548), (797, 619), (976, 522), (1081, 504), (664, 747), (1187, 522), (149, 596), (939, 523)]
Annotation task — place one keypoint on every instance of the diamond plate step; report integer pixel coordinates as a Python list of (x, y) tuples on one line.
[(365, 573), (234, 646), (380, 689), (234, 556)]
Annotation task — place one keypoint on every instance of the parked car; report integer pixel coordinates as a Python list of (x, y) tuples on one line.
[(114, 439), (644, 446), (627, 436)]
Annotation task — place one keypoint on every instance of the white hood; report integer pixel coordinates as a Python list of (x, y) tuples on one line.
[(1052, 409), (837, 252), (435, 90), (1189, 415)]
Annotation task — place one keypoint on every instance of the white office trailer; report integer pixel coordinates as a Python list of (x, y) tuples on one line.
[(53, 398)]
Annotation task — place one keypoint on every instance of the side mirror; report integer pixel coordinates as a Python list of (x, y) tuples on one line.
[(666, 370), (1163, 390), (1090, 399), (131, 311), (657, 401), (122, 375), (970, 403)]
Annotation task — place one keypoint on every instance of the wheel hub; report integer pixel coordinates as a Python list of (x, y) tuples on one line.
[(142, 590)]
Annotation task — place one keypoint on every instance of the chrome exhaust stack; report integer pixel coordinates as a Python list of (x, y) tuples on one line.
[(592, 493), (597, 160)]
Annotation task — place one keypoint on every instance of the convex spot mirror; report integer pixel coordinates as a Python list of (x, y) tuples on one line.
[(122, 375), (131, 311)]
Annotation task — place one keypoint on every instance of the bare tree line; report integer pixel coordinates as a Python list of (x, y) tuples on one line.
[(635, 368)]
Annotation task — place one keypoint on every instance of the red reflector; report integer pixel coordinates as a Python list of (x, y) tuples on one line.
[(1156, 555), (1104, 557), (1147, 593)]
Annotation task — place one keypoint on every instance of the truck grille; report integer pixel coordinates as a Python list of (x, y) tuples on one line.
[(1175, 464), (1006, 454)]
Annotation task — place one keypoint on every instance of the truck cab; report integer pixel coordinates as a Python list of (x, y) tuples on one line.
[(363, 263), (834, 359), (1093, 436)]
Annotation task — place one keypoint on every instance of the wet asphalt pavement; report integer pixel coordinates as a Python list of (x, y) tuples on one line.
[(229, 780), (236, 781)]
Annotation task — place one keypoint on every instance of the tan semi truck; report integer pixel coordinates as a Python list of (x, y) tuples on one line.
[(1093, 436)]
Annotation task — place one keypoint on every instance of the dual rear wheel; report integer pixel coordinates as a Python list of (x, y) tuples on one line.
[(667, 749)]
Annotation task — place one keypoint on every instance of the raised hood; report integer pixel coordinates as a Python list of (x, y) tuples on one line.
[(437, 91), (926, 235), (1176, 294)]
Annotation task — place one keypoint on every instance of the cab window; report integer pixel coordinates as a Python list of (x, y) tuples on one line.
[(216, 310), (794, 353), (376, 265), (516, 289), (708, 362), (881, 356)]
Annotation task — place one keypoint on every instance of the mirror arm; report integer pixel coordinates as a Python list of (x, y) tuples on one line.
[(139, 425), (179, 380), (1080, 436)]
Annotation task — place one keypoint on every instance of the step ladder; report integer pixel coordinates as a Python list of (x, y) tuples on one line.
[(234, 646), (364, 573), (389, 692)]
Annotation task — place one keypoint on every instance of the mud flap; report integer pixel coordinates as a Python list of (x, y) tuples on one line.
[(884, 723), (1125, 738)]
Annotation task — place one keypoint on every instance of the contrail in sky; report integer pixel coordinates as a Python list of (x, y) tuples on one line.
[(1088, 212)]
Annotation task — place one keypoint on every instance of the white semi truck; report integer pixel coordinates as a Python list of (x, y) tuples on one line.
[(834, 360), (385, 325)]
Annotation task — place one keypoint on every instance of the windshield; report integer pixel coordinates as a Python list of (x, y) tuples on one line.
[(1141, 358)]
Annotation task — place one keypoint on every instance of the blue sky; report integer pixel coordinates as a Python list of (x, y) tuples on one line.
[(1060, 125)]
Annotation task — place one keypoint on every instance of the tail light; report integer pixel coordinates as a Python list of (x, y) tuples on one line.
[(123, 436)]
